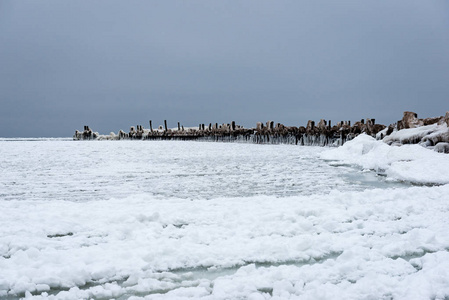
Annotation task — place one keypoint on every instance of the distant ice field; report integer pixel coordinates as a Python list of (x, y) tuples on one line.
[(86, 171), (198, 220)]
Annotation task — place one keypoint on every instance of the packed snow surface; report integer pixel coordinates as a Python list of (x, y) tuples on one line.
[(190, 220)]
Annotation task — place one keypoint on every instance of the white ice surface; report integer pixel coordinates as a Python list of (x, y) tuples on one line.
[(342, 234), (84, 171)]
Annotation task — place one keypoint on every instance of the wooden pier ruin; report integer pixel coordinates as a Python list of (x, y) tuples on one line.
[(321, 134)]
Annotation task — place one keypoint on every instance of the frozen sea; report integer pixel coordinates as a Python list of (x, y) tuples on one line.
[(202, 220)]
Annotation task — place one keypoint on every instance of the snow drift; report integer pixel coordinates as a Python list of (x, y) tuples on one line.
[(412, 163)]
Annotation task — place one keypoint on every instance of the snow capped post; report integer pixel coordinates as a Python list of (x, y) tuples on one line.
[(322, 124), (310, 125)]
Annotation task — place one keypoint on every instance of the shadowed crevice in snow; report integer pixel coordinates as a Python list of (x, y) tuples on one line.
[(58, 235)]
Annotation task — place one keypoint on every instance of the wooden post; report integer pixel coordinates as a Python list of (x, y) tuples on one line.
[(151, 126), (330, 124), (349, 123), (165, 124), (233, 125), (179, 127)]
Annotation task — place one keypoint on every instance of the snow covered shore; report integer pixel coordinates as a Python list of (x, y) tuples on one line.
[(342, 238)]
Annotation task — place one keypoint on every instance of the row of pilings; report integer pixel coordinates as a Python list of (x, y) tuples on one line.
[(321, 134)]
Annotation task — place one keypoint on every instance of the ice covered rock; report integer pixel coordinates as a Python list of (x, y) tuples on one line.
[(434, 120), (410, 130), (410, 120), (442, 147), (411, 135), (439, 136)]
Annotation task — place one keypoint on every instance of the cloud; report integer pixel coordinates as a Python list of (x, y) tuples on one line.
[(113, 64)]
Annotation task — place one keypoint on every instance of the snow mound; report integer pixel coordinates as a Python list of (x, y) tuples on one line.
[(412, 163)]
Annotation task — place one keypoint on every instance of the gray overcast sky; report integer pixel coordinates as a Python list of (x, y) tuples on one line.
[(112, 64)]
